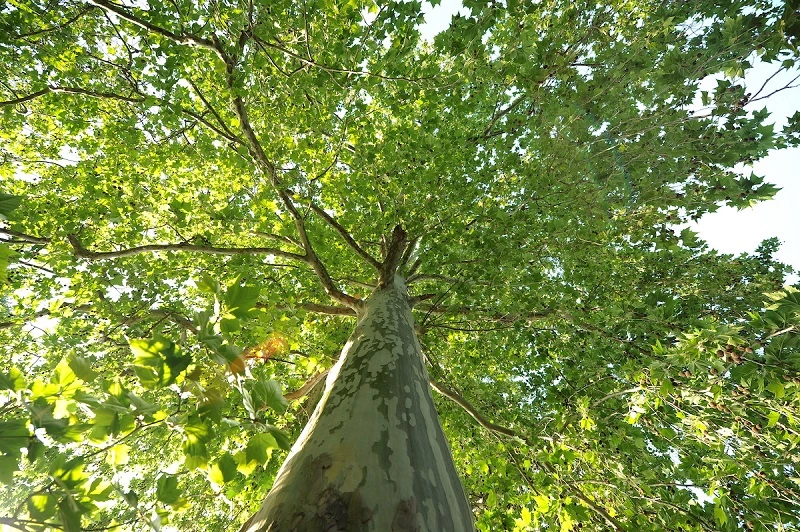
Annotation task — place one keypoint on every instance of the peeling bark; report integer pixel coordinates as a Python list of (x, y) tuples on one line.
[(373, 456)]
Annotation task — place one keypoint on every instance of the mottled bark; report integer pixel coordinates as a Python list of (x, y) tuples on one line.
[(373, 456)]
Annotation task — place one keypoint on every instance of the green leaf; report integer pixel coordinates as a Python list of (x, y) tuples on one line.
[(268, 392), (42, 506), (240, 299), (118, 454), (212, 408), (12, 380), (773, 418), (776, 387), (224, 470), (542, 503), (6, 253), (158, 362), (141, 406), (689, 238), (197, 433), (720, 515), (258, 447), (167, 490), (100, 490), (208, 285), (64, 376), (8, 203), (249, 405), (85, 398), (82, 368), (131, 497), (35, 450), (526, 516), (15, 436), (69, 514), (280, 436), (8, 465)]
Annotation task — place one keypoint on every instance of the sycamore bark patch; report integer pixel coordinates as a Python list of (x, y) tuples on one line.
[(373, 456)]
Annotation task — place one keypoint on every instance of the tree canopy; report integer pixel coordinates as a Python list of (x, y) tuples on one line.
[(196, 194)]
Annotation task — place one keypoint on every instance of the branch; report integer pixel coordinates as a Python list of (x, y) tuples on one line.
[(41, 314), (755, 97), (684, 511), (82, 252), (24, 99), (71, 90), (197, 116), (613, 523), (333, 70), (362, 284), (783, 331), (180, 38), (174, 317), (306, 388), (482, 421), (345, 235), (513, 105), (393, 255), (54, 28), (410, 250), (24, 237), (320, 309), (328, 309), (507, 319), (26, 524), (262, 161), (414, 300), (437, 277), (95, 94), (228, 133), (615, 394), (282, 238), (221, 131)]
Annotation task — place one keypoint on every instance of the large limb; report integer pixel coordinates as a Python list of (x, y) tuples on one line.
[(394, 253), (268, 167), (345, 235), (82, 252)]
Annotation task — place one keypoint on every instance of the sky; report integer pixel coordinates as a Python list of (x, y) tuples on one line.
[(732, 231), (729, 230)]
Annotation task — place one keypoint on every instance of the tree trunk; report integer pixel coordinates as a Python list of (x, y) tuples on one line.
[(373, 456)]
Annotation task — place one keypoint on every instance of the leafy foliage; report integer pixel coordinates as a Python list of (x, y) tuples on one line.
[(188, 185)]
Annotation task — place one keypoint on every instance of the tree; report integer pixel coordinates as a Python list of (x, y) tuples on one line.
[(201, 201)]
